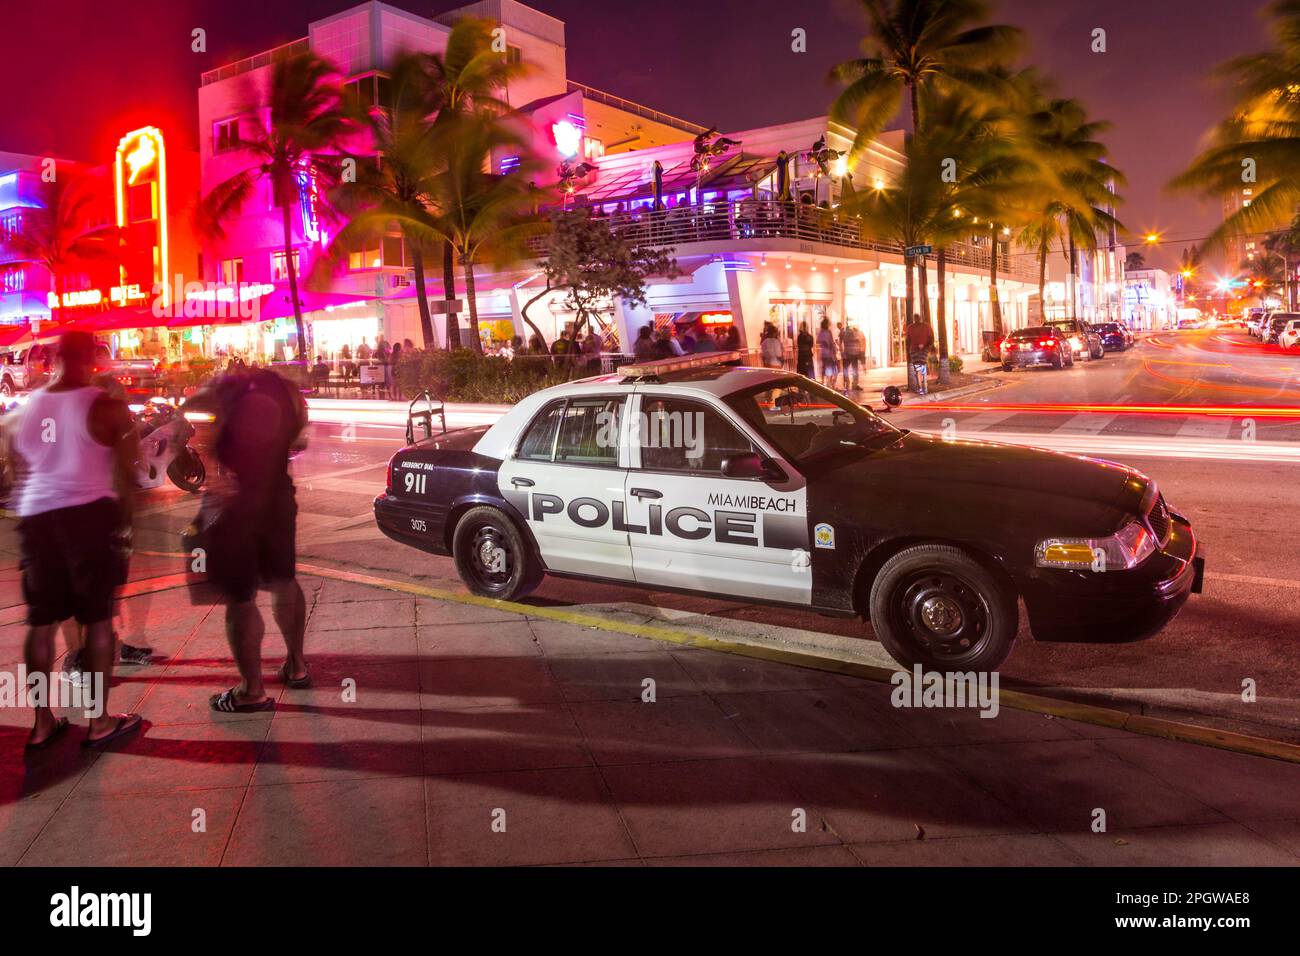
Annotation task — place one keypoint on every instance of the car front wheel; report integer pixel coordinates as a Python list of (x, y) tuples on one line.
[(936, 606), (492, 557)]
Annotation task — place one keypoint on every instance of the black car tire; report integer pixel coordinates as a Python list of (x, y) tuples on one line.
[(187, 471), (1006, 366), (936, 580), (7, 388), (478, 534), (1100, 353), (1058, 362), (1069, 359)]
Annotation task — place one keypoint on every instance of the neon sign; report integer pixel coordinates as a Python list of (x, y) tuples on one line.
[(141, 150), (568, 138), (309, 202), (118, 295)]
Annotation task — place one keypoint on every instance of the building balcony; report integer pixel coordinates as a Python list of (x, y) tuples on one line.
[(750, 225)]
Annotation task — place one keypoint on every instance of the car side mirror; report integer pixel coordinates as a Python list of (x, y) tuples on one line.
[(752, 465)]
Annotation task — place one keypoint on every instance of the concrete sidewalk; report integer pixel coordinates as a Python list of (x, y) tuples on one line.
[(479, 735)]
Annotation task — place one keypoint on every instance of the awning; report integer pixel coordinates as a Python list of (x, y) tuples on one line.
[(278, 305), (115, 320), (14, 334)]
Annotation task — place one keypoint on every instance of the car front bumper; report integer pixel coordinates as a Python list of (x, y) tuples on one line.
[(1116, 607)]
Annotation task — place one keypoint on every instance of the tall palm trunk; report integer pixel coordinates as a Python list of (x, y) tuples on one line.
[(426, 319), (995, 307), (909, 300), (475, 340), (449, 293), (1042, 278), (941, 316), (1074, 280), (923, 290), (293, 280)]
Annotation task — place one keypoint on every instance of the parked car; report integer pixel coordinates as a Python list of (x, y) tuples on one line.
[(790, 494), (1256, 322), (1277, 321), (1289, 337), (1114, 337), (25, 369), (1036, 345), (1084, 341)]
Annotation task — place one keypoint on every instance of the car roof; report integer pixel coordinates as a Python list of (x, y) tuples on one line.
[(710, 380)]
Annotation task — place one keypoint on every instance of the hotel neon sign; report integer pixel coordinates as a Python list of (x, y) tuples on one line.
[(138, 152), (118, 295)]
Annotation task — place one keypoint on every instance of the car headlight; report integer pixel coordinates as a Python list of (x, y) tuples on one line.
[(1125, 549)]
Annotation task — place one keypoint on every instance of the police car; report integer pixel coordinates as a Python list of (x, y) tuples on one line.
[(695, 475)]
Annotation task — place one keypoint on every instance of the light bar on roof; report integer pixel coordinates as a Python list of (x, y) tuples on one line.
[(679, 364)]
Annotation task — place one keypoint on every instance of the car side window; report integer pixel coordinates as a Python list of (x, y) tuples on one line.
[(539, 441), (677, 435), (589, 432)]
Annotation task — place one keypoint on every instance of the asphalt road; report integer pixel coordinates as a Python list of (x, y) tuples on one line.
[(1244, 628)]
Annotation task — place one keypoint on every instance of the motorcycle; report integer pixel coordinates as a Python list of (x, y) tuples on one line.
[(164, 435)]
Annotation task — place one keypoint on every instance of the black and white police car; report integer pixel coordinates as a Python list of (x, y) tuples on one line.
[(696, 475)]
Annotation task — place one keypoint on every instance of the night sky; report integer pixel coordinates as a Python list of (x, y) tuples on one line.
[(77, 73)]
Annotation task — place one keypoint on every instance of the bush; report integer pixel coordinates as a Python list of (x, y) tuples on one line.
[(954, 363), (466, 376)]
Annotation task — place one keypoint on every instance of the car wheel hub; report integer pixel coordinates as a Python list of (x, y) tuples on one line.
[(941, 615)]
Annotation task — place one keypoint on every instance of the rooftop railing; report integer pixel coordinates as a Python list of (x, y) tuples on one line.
[(754, 219), (258, 60), (609, 99)]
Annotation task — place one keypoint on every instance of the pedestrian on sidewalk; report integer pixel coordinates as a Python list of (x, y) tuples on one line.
[(260, 418), (804, 351), (828, 354), (74, 448), (770, 349), (853, 346), (920, 342)]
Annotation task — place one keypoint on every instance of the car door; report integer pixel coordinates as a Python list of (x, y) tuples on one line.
[(694, 528), (566, 476)]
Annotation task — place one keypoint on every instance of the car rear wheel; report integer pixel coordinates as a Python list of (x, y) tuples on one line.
[(936, 606), (1057, 362), (1006, 366), (7, 388), (492, 557)]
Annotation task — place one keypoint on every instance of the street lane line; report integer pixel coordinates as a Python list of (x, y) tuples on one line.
[(1153, 446)]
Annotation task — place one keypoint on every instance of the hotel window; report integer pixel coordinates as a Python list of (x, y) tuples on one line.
[(514, 55), (13, 279), (231, 271), (225, 136), (394, 252), (363, 259), (279, 269), (368, 91), (10, 225)]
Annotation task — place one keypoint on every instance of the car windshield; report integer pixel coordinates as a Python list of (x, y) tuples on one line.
[(1107, 327), (804, 419)]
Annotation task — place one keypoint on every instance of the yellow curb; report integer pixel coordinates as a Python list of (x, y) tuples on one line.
[(1016, 700)]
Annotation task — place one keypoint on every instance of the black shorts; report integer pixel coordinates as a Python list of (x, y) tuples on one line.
[(249, 548), (71, 562)]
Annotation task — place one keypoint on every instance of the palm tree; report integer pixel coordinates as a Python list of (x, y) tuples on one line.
[(1259, 143), (300, 133), (68, 232), (468, 76), (395, 191), (479, 213), (912, 44), (1077, 183)]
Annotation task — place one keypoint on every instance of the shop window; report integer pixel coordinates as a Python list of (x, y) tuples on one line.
[(225, 136), (279, 268)]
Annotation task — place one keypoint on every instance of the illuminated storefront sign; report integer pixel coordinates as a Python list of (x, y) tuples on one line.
[(142, 158), (118, 295), (715, 318), (309, 202)]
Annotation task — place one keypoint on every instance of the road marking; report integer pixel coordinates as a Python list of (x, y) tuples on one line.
[(1205, 428), (1252, 579), (1087, 423), (1151, 446)]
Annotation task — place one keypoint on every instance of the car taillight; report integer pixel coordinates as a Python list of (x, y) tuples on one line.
[(1047, 344)]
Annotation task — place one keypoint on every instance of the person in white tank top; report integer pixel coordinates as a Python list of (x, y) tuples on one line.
[(69, 444)]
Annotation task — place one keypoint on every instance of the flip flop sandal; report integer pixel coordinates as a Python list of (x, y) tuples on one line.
[(297, 683), (126, 724), (228, 703), (59, 727)]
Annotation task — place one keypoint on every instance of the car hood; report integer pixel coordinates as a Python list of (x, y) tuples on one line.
[(977, 469)]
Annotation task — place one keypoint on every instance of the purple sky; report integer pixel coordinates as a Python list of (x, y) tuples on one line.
[(72, 90)]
